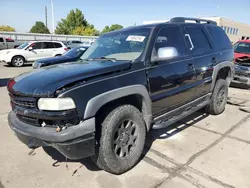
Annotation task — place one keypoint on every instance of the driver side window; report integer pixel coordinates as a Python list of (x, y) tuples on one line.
[(37, 45), (169, 37)]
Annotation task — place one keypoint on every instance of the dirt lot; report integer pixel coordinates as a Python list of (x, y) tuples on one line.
[(199, 152)]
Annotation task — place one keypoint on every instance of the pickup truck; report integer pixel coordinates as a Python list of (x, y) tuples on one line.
[(128, 82), (8, 43)]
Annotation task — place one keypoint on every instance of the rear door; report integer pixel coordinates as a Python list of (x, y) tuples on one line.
[(201, 49), (59, 49), (49, 49), (171, 82)]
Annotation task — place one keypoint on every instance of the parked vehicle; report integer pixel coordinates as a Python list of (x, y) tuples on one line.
[(32, 51), (74, 43), (242, 64), (70, 56), (7, 43), (130, 81)]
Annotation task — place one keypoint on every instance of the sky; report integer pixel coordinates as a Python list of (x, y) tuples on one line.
[(22, 14)]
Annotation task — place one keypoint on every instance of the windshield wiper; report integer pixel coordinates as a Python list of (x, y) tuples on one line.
[(101, 58)]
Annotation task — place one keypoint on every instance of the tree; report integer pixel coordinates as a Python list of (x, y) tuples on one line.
[(75, 19), (6, 28), (39, 27), (85, 31), (111, 28)]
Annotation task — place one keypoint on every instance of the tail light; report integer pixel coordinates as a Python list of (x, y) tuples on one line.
[(10, 85), (66, 49)]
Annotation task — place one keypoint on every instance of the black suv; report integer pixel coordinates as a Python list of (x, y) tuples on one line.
[(128, 82)]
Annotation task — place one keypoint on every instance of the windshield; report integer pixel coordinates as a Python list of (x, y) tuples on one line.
[(24, 45), (242, 47), (75, 52), (123, 45)]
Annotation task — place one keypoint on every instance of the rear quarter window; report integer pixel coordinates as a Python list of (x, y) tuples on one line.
[(219, 37), (58, 45)]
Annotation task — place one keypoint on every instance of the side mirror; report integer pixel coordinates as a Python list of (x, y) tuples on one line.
[(30, 48), (166, 53)]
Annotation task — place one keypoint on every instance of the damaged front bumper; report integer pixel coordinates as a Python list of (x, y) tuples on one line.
[(242, 75), (75, 142)]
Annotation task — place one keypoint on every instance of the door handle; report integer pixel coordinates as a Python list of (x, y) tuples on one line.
[(190, 66), (214, 61)]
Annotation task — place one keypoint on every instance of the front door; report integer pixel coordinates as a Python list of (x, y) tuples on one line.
[(171, 82), (35, 53)]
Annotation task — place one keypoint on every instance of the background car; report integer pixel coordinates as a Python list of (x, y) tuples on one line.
[(8, 43), (242, 64), (70, 56), (242, 48), (74, 43), (32, 51)]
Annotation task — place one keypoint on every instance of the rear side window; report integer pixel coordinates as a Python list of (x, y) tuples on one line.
[(219, 37), (76, 42), (58, 45), (170, 37), (48, 45), (1, 39), (199, 39)]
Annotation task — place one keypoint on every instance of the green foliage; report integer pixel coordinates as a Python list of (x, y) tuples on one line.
[(39, 27), (75, 19), (111, 28), (85, 31), (6, 28)]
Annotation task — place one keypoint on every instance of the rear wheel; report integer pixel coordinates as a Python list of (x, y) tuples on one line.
[(219, 98), (17, 61), (122, 140)]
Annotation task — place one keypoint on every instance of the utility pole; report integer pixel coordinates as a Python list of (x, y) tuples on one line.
[(53, 19), (46, 17)]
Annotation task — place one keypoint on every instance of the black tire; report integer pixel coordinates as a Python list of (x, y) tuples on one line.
[(58, 55), (219, 98), (122, 140), (18, 61)]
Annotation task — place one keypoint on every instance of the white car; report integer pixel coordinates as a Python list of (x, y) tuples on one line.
[(32, 51)]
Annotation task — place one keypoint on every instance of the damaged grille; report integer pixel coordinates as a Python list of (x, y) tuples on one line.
[(24, 102), (242, 74), (27, 111), (29, 120)]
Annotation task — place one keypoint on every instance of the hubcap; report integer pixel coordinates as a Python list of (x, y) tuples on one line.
[(18, 61), (221, 96), (125, 138)]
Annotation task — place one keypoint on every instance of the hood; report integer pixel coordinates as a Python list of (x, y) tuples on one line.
[(44, 82), (239, 55), (8, 51), (244, 61), (53, 59)]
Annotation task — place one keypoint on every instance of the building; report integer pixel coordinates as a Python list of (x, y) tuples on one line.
[(235, 30)]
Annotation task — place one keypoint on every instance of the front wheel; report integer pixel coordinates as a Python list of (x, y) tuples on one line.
[(219, 98), (17, 61), (122, 140)]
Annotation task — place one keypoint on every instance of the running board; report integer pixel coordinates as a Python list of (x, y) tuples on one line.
[(175, 115)]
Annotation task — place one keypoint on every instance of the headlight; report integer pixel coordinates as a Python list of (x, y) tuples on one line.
[(56, 104), (34, 65)]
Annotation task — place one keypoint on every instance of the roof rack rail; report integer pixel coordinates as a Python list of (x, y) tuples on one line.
[(197, 20)]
